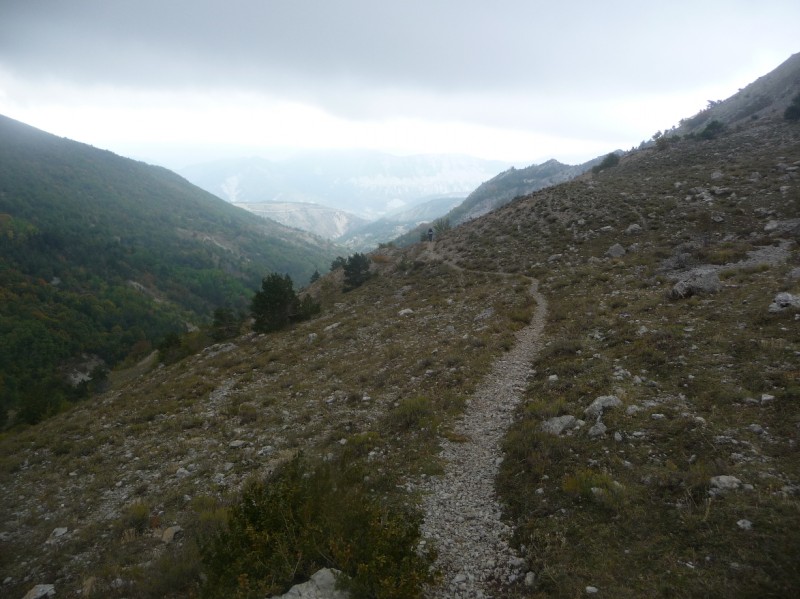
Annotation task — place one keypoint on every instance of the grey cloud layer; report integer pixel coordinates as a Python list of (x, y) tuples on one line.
[(440, 45), (503, 63)]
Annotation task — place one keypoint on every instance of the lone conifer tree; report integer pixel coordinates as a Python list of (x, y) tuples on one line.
[(275, 305), (356, 271)]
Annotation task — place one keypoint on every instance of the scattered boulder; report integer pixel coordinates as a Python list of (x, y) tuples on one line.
[(558, 424), (595, 410), (57, 534), (696, 283), (598, 429), (723, 483), (782, 227), (171, 533), (405, 312), (633, 229), (530, 579), (615, 251), (321, 586), (41, 590), (784, 301)]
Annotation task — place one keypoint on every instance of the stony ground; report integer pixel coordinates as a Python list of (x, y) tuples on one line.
[(462, 512), (689, 488), (88, 496)]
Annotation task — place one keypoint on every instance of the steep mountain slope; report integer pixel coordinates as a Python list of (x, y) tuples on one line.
[(652, 452), (767, 96), (100, 253), (513, 183), (655, 446), (498, 191)]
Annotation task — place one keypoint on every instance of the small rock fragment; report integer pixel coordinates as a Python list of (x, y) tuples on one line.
[(744, 524), (171, 533)]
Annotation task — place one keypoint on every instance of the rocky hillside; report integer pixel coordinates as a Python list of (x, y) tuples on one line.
[(398, 223), (514, 183), (767, 96), (652, 450)]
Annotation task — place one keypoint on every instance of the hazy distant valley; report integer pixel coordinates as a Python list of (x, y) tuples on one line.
[(361, 199), (356, 198)]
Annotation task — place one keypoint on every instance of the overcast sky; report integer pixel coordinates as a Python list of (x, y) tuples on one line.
[(177, 81)]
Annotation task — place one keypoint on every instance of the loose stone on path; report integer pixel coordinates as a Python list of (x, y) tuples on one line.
[(462, 514)]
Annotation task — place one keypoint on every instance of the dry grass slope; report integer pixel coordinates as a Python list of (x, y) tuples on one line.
[(174, 445), (708, 384)]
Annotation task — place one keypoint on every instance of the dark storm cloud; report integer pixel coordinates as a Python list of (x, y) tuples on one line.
[(444, 46), (580, 70)]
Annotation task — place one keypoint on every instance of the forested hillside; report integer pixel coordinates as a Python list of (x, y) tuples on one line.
[(103, 255)]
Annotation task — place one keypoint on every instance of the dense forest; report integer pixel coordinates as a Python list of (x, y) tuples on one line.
[(105, 256)]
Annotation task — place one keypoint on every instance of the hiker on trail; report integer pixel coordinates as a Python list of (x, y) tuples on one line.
[(430, 234)]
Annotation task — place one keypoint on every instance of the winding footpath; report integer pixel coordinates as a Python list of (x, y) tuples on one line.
[(462, 513)]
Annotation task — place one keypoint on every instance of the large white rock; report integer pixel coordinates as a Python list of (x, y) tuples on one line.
[(321, 586), (600, 404), (784, 301), (40, 591), (723, 484), (558, 424)]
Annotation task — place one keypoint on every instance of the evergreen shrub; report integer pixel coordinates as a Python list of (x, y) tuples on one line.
[(309, 517)]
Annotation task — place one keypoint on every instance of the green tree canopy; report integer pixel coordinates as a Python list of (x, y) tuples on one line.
[(275, 305), (792, 113), (356, 271)]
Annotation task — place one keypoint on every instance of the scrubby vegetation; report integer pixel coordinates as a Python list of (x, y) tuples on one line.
[(359, 388), (705, 382), (611, 160), (792, 112), (306, 517), (686, 485)]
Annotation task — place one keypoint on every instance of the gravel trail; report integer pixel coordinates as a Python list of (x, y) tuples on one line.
[(462, 514)]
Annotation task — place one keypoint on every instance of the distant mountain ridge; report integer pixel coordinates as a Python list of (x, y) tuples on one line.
[(397, 223), (502, 189), (365, 183), (513, 183), (329, 223)]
